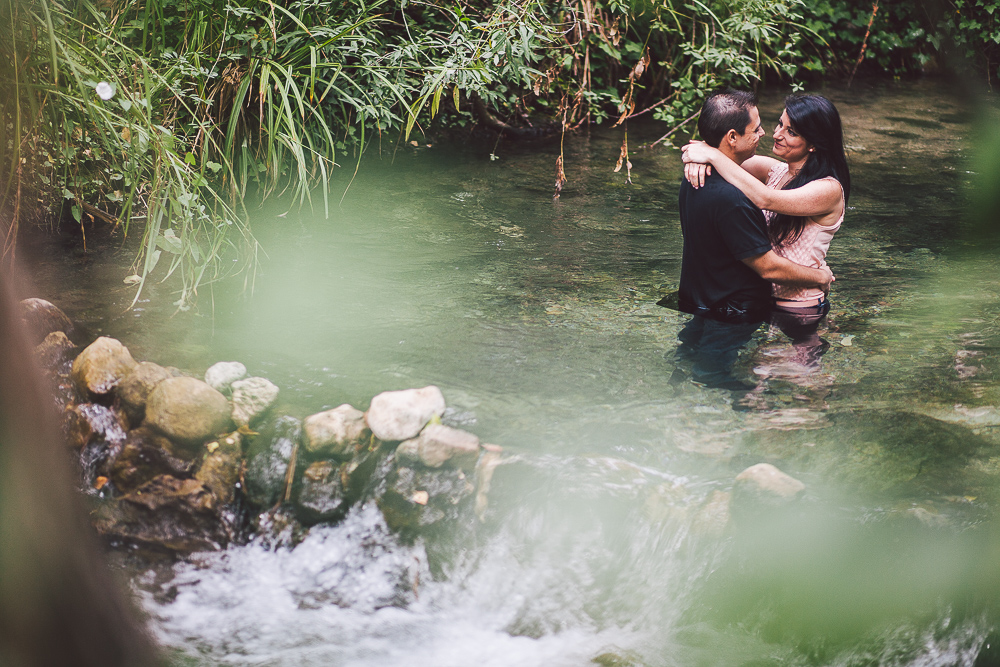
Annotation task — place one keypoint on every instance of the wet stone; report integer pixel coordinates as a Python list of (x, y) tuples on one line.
[(42, 318), (220, 469), (268, 457), (335, 432), (54, 351), (146, 455), (222, 375), (400, 415), (416, 498), (135, 388), (321, 494), (187, 410), (90, 422), (178, 515), (438, 445), (251, 397), (101, 367)]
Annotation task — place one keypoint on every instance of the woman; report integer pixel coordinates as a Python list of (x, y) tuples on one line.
[(803, 194)]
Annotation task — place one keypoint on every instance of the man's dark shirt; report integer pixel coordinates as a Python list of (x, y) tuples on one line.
[(721, 227)]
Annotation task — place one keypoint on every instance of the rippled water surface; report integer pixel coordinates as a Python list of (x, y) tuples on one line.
[(604, 542)]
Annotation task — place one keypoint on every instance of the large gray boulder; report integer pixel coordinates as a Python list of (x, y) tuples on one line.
[(335, 432), (222, 375), (251, 397), (438, 445), (136, 387), (400, 415), (187, 410), (101, 367)]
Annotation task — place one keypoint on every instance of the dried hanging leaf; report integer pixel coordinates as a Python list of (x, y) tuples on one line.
[(560, 177), (623, 160), (640, 66), (627, 107)]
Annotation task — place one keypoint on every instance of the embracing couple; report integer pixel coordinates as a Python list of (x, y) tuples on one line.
[(756, 229)]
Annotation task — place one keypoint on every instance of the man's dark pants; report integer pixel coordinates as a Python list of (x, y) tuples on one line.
[(713, 346)]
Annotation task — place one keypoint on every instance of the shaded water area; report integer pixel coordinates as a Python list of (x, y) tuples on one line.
[(602, 542)]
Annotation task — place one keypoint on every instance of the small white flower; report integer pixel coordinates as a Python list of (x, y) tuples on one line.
[(105, 91)]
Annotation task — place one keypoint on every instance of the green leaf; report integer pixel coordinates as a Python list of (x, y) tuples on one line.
[(168, 241), (436, 102)]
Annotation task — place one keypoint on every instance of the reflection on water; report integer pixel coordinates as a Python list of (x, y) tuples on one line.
[(605, 536)]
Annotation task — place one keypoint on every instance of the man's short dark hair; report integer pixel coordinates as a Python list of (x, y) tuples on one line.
[(725, 110)]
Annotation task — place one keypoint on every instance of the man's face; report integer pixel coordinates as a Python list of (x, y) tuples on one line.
[(746, 145)]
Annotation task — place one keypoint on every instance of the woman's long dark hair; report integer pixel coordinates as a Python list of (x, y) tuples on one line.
[(815, 119)]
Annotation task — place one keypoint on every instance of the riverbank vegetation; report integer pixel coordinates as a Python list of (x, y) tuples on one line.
[(162, 117)]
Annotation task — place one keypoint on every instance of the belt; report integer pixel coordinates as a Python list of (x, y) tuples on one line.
[(737, 312)]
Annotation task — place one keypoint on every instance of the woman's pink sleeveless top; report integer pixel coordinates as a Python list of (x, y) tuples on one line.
[(808, 250)]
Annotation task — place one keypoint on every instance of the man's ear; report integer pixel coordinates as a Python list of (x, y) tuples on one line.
[(731, 137)]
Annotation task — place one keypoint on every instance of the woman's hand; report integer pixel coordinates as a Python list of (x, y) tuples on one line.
[(698, 151), (696, 157), (695, 173)]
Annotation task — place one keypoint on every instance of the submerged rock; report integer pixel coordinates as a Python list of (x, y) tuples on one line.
[(335, 432), (438, 444), (879, 454), (187, 410), (712, 517), (101, 367), (764, 484), (145, 455), (485, 467), (134, 389), (251, 397), (222, 375), (42, 318), (400, 415), (169, 513), (321, 495), (269, 456)]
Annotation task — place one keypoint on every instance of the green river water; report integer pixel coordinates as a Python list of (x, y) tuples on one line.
[(537, 319)]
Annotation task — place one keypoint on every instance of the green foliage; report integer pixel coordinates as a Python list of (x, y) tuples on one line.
[(909, 37), (219, 100), (64, 144)]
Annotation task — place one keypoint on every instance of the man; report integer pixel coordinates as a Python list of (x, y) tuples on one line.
[(728, 263)]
